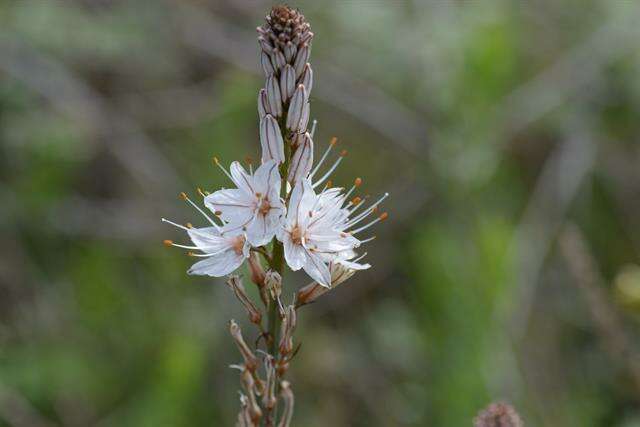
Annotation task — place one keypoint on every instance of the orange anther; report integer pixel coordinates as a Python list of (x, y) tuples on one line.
[(384, 216), (333, 141), (183, 196), (358, 182), (167, 243)]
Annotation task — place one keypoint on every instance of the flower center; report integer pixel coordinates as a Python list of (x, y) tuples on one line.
[(264, 207), (296, 235), (238, 245)]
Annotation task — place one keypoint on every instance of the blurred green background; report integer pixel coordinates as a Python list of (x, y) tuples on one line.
[(506, 131)]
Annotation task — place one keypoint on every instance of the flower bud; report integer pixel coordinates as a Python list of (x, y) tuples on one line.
[(263, 104), (277, 59), (266, 64), (296, 107), (273, 96), (255, 269), (287, 82), (265, 45), (271, 140), (307, 78), (302, 57), (304, 120), (250, 360), (290, 50), (287, 397), (302, 159), (235, 283)]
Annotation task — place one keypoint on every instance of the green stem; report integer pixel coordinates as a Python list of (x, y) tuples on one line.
[(277, 253)]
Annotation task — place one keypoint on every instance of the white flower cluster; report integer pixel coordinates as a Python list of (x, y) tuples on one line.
[(318, 229)]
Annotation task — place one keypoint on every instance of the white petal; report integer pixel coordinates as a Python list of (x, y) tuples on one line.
[(293, 254), (234, 204), (217, 265), (242, 179), (208, 239), (267, 177), (259, 232), (317, 269)]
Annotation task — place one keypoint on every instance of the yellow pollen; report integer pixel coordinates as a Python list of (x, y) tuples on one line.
[(183, 196), (333, 141), (200, 192), (329, 184), (189, 225), (218, 213), (216, 161), (384, 216), (190, 254), (167, 243), (358, 182)]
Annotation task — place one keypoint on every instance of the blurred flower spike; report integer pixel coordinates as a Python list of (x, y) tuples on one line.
[(287, 211)]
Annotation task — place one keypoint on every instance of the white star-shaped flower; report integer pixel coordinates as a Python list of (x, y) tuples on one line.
[(223, 250), (254, 207), (313, 231)]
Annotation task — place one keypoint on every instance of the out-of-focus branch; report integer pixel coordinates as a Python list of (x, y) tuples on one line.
[(17, 410), (606, 319), (69, 95)]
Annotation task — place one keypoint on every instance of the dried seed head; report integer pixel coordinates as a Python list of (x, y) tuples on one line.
[(269, 399), (498, 414), (256, 270), (273, 282), (287, 397), (235, 283), (250, 360), (249, 384), (288, 326)]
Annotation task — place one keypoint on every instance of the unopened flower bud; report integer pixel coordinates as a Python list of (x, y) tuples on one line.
[(252, 403), (265, 45), (288, 326), (287, 82), (278, 59), (235, 283), (273, 96), (255, 269), (302, 159), (290, 51), (304, 120), (287, 397), (302, 57), (307, 78), (269, 397), (250, 360), (267, 66), (271, 140), (263, 104), (296, 107), (498, 415)]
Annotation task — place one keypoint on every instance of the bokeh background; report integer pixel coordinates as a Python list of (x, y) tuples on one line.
[(506, 131)]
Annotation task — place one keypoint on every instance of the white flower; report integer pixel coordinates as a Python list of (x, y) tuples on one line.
[(313, 233), (254, 207), (223, 251)]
